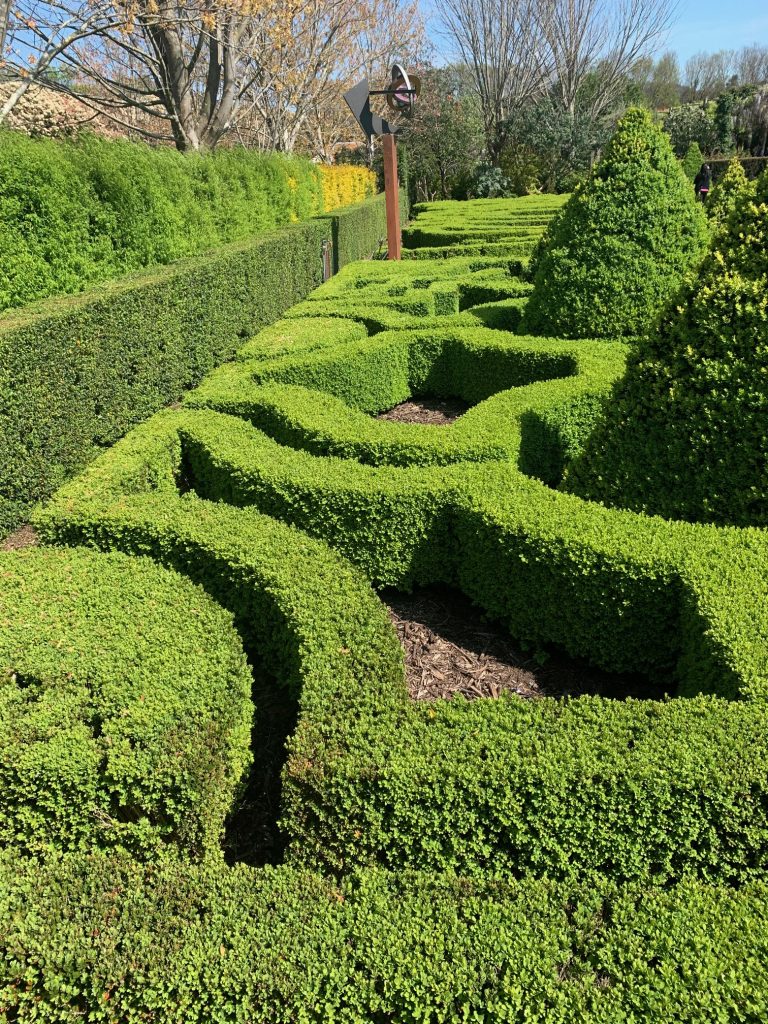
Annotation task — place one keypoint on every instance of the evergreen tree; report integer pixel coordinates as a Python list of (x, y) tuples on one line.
[(620, 246), (686, 434), (725, 195), (693, 160)]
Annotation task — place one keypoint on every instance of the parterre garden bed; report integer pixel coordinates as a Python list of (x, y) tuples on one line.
[(559, 859)]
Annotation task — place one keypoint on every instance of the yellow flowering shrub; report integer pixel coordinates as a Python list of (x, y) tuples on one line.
[(344, 184)]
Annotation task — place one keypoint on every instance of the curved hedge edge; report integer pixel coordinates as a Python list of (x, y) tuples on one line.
[(318, 400), (394, 787), (116, 941), (126, 706)]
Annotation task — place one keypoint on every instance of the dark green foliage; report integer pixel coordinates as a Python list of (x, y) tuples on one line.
[(360, 231), (620, 246), (73, 213), (126, 708), (76, 373), (685, 433), (113, 941), (692, 161)]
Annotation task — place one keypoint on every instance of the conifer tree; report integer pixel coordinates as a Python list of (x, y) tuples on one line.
[(686, 433), (622, 243)]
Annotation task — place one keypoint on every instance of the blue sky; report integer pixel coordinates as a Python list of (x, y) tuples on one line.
[(706, 25), (711, 25)]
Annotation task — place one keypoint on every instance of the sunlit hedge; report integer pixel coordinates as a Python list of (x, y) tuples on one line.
[(344, 184)]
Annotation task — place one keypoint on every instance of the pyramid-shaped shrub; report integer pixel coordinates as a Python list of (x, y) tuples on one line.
[(686, 434), (725, 195), (621, 244)]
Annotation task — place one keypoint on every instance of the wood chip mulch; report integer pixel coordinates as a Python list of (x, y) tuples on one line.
[(451, 649), (24, 537), (436, 412)]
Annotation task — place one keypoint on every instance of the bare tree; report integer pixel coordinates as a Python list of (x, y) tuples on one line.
[(392, 30), (504, 44), (708, 74), (34, 36), (752, 65), (594, 45), (579, 51)]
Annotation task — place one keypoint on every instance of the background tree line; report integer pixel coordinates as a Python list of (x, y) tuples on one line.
[(532, 92)]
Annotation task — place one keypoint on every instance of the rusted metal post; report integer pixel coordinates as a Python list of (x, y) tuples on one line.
[(392, 196)]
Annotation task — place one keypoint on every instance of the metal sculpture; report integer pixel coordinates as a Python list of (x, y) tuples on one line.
[(401, 94)]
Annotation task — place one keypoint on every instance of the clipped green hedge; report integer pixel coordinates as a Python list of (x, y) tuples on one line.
[(112, 941), (630, 790), (457, 292), (126, 709), (75, 212), (360, 231), (564, 813), (621, 245), (76, 373)]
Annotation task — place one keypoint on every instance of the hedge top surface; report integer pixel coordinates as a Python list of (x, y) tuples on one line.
[(620, 246), (126, 707), (320, 397), (685, 433)]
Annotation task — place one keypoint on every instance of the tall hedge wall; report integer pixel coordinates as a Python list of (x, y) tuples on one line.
[(76, 212), (77, 372)]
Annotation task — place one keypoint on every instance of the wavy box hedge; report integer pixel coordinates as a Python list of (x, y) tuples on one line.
[(599, 798)]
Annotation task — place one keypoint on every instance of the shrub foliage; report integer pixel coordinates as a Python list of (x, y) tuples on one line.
[(685, 433), (622, 243), (126, 707), (552, 860), (727, 191)]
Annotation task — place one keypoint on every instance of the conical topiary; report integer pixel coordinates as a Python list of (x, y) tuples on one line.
[(693, 160), (621, 244), (686, 434), (724, 196)]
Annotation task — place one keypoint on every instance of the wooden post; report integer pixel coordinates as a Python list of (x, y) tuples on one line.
[(392, 194)]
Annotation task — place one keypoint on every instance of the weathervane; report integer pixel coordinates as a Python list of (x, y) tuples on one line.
[(401, 95)]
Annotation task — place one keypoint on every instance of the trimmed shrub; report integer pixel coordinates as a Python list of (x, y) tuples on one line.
[(627, 592), (727, 191), (600, 798), (114, 941), (685, 433), (619, 248), (126, 710), (76, 373), (74, 213), (360, 231), (693, 160)]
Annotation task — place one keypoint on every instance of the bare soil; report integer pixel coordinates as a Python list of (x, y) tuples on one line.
[(451, 649), (23, 537), (436, 412)]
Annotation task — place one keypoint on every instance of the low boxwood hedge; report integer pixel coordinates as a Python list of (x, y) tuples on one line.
[(126, 708), (110, 940), (564, 813), (631, 790)]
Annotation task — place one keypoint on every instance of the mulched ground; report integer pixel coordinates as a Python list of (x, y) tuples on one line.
[(24, 537), (450, 648), (437, 412)]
